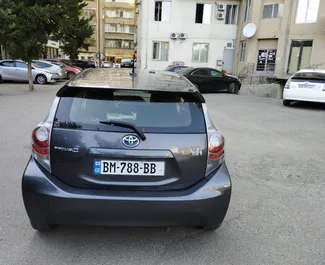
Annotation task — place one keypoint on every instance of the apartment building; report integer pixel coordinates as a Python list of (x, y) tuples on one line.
[(119, 27), (91, 11), (189, 32), (289, 36)]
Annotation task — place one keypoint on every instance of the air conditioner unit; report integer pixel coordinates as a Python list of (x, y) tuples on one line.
[(174, 35), (221, 7), (182, 36), (220, 16)]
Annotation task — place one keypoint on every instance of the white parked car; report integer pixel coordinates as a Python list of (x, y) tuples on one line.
[(55, 69), (305, 85), (16, 70), (106, 64), (116, 65)]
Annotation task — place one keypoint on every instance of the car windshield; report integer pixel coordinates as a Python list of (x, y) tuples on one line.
[(309, 76), (151, 111), (126, 60)]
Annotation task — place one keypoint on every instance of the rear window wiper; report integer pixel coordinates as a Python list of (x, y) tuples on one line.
[(126, 125)]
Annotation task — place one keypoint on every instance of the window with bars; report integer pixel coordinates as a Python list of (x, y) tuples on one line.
[(231, 15), (162, 10), (272, 10), (200, 52), (160, 50), (242, 54)]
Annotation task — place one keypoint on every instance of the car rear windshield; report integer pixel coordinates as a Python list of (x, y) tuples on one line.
[(150, 111), (309, 76)]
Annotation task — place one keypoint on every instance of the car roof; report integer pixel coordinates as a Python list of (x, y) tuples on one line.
[(157, 80), (311, 70)]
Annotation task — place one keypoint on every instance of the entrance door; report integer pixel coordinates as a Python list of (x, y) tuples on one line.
[(300, 54), (266, 60), (228, 58)]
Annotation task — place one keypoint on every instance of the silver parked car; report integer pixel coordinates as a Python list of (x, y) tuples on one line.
[(127, 150), (16, 70), (57, 70)]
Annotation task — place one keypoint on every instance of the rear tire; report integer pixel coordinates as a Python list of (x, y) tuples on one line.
[(43, 227), (286, 102), (71, 75), (41, 79)]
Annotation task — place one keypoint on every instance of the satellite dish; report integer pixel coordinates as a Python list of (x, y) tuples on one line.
[(249, 30)]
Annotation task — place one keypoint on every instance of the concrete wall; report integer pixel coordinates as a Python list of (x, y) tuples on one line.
[(262, 90), (217, 34)]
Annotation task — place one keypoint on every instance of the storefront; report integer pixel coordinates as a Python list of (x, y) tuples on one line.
[(51, 50)]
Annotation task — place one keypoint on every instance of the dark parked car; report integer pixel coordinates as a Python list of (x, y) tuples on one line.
[(211, 80), (176, 68), (127, 151), (83, 64), (126, 62)]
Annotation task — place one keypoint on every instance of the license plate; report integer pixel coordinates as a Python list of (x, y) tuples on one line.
[(305, 86), (113, 167)]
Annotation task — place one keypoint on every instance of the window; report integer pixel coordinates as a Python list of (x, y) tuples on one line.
[(231, 14), (242, 51), (307, 11), (89, 13), (151, 111), (117, 44), (7, 64), (160, 50), (203, 13), (300, 54), (162, 10), (111, 13), (119, 28), (21, 65), (120, 1), (201, 72), (247, 9), (215, 73), (272, 10), (200, 52)]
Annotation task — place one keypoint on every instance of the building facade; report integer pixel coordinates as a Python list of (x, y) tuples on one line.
[(91, 11), (188, 32), (289, 36), (119, 28)]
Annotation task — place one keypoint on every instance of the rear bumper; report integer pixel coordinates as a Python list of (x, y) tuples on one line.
[(304, 95), (49, 200)]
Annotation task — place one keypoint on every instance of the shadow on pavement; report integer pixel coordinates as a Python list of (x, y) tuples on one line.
[(308, 105)]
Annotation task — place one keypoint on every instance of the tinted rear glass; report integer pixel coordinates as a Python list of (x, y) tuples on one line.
[(151, 111), (309, 76)]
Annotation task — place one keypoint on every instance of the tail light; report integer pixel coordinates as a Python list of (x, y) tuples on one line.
[(41, 138), (216, 144), (41, 146), (287, 85)]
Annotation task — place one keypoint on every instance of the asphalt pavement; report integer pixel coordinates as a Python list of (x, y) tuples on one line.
[(276, 159)]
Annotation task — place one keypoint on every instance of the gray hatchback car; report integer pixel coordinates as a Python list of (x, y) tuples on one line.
[(122, 150)]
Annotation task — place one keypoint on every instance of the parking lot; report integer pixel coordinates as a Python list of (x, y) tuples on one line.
[(275, 156)]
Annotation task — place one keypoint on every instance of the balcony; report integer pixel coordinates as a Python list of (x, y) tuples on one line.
[(119, 5), (119, 35), (126, 21)]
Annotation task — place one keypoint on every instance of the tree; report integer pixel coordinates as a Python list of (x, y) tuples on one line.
[(25, 27), (75, 29)]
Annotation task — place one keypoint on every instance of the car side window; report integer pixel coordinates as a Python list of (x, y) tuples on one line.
[(201, 72), (215, 73), (21, 65), (7, 64)]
